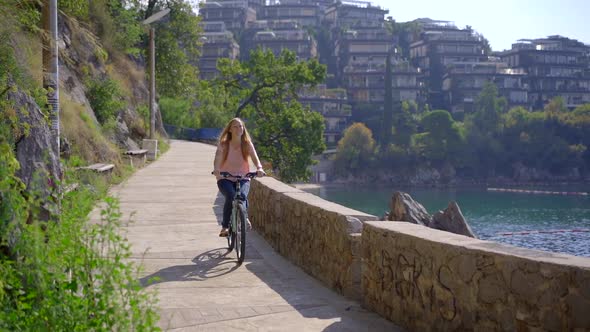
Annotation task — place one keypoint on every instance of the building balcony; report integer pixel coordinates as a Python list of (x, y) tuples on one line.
[(454, 36), (218, 37), (365, 67), (285, 24), (208, 5), (289, 35), (344, 112), (335, 129)]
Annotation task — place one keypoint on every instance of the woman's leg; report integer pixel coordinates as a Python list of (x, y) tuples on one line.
[(244, 190), (228, 189)]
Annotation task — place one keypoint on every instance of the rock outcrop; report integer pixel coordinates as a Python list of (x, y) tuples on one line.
[(36, 151), (404, 208), (82, 57), (451, 220)]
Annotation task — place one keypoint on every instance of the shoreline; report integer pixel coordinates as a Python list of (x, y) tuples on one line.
[(460, 185)]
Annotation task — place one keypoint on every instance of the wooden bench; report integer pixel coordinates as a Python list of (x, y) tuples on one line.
[(86, 174), (71, 187), (137, 157), (99, 168)]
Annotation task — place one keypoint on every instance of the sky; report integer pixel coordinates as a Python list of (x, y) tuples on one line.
[(502, 22)]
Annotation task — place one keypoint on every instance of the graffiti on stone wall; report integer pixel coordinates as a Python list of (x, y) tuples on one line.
[(447, 303), (405, 275)]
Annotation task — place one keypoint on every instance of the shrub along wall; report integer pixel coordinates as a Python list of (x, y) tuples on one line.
[(421, 278)]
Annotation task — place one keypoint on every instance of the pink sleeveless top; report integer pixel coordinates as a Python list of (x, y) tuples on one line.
[(235, 163)]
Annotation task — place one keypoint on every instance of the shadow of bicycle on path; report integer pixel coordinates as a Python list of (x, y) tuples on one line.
[(308, 296), (210, 264)]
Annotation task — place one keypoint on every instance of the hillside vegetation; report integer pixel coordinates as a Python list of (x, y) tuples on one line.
[(493, 144), (58, 272)]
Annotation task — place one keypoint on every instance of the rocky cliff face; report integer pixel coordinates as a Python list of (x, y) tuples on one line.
[(35, 150), (83, 58)]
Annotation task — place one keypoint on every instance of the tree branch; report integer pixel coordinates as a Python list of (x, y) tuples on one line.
[(253, 95)]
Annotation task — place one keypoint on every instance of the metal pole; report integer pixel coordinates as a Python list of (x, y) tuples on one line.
[(152, 84), (50, 67), (51, 84)]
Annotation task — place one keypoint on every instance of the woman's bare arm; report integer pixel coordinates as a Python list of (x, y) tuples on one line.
[(254, 157), (217, 160)]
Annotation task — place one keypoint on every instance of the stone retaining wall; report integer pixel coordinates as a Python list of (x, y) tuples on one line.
[(420, 278), (321, 237), (429, 280)]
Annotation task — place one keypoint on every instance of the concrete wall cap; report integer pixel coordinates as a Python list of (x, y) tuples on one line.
[(328, 206), (438, 236)]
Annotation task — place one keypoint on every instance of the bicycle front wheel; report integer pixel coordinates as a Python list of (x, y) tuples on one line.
[(240, 241), (231, 239)]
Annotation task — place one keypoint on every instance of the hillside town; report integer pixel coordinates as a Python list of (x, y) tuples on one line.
[(435, 64)]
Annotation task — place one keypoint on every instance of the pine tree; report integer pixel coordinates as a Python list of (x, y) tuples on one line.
[(387, 124)]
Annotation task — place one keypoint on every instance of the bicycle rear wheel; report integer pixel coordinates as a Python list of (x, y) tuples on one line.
[(240, 234)]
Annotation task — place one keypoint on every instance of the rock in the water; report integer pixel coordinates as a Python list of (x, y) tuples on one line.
[(451, 220), (404, 208)]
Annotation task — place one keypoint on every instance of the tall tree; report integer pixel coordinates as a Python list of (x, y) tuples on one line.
[(442, 138), (489, 107), (264, 91), (177, 48), (355, 150), (405, 124), (484, 128), (388, 111)]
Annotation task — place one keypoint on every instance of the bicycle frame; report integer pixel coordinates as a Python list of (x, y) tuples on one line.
[(234, 208), (237, 233)]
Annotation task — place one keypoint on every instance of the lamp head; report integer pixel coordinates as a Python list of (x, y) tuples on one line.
[(156, 17)]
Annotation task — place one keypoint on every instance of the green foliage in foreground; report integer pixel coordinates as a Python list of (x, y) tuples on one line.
[(69, 275)]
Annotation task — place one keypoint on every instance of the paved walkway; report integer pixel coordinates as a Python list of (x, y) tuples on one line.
[(176, 210)]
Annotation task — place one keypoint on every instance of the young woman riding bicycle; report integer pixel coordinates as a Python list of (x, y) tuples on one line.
[(234, 149)]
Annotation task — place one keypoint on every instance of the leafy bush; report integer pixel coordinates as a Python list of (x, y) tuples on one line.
[(67, 275), (75, 8), (355, 150), (178, 112), (105, 99), (20, 14), (117, 24)]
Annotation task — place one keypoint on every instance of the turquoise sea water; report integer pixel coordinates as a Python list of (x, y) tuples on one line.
[(557, 223)]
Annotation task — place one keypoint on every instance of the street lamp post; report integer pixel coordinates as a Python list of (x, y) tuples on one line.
[(152, 64), (50, 66), (50, 56)]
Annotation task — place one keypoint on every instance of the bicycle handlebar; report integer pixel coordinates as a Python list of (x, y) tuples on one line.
[(250, 175)]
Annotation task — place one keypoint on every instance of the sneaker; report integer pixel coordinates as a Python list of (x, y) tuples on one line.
[(223, 232)]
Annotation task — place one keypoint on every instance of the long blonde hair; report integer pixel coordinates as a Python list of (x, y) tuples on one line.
[(226, 137)]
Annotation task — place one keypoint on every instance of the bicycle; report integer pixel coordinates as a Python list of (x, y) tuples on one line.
[(236, 237)]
